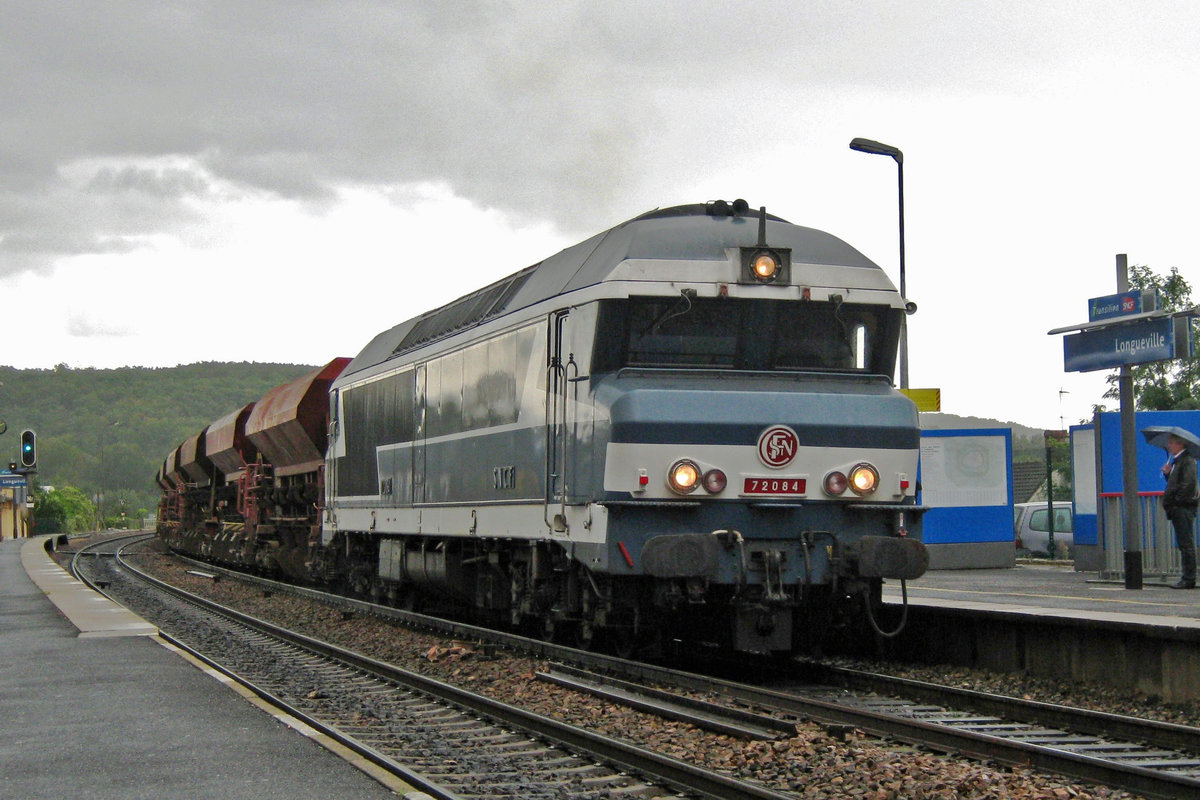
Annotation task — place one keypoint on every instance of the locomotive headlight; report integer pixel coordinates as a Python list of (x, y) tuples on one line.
[(765, 266), (835, 483), (864, 479), (714, 481), (683, 476)]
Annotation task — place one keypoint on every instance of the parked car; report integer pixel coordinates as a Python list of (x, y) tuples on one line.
[(1031, 529)]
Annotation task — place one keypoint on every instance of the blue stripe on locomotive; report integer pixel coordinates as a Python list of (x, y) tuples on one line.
[(852, 412)]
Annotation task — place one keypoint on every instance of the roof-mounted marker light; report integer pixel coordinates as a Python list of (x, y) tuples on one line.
[(763, 263)]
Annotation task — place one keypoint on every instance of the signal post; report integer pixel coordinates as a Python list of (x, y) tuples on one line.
[(15, 499)]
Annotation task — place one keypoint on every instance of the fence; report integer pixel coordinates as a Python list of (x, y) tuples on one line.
[(1160, 556)]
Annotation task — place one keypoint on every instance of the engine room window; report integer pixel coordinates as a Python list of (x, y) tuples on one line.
[(738, 333)]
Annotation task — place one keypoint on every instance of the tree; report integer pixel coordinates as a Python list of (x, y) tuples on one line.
[(1163, 385), (68, 506)]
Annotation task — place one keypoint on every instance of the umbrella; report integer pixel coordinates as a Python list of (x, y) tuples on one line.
[(1157, 436)]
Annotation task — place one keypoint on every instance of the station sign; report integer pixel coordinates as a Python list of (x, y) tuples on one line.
[(9, 480), (1121, 345)]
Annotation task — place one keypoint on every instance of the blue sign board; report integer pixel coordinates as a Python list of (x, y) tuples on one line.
[(1115, 305), (1120, 345), (8, 480)]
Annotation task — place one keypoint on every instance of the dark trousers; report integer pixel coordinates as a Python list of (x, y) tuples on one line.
[(1181, 520)]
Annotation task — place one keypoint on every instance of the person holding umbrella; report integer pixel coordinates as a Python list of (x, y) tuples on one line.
[(1180, 497)]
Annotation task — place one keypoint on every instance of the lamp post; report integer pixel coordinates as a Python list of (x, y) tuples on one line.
[(881, 149), (103, 469)]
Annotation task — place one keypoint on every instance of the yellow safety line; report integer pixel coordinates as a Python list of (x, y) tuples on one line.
[(1089, 599)]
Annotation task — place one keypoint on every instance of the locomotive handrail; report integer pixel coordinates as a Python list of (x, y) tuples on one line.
[(556, 422)]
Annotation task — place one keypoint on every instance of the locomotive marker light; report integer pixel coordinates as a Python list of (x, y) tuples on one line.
[(835, 483), (765, 264), (715, 481)]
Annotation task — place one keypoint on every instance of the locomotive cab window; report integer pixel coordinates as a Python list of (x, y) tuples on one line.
[(745, 334)]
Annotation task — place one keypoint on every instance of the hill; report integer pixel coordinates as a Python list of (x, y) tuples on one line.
[(1028, 443), (108, 430), (943, 421)]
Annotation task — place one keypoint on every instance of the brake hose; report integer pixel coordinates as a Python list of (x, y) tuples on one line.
[(903, 614)]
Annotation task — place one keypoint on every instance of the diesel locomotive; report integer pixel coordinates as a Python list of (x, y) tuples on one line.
[(684, 426)]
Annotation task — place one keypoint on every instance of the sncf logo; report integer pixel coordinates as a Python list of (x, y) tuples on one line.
[(777, 446)]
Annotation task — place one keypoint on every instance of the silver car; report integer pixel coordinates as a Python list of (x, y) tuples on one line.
[(1031, 528)]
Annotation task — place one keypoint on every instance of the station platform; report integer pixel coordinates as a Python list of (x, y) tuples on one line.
[(1052, 589), (95, 704), (1049, 620)]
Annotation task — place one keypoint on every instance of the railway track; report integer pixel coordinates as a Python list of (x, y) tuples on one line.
[(1150, 758), (447, 742)]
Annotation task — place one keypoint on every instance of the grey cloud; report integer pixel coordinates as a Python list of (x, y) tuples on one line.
[(165, 183), (550, 110), (107, 213)]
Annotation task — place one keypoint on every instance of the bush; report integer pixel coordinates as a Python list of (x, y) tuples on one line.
[(66, 508)]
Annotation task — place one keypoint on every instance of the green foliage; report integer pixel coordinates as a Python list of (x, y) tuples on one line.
[(1060, 460), (107, 431), (69, 507), (1164, 385)]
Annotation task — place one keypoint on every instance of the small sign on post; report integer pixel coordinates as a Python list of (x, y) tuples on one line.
[(1122, 304), (926, 399)]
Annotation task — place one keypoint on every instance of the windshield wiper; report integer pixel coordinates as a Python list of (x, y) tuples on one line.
[(686, 296)]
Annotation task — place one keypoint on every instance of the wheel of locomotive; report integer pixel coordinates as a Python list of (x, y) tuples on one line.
[(621, 642), (584, 630), (625, 636), (408, 599), (583, 635), (570, 632)]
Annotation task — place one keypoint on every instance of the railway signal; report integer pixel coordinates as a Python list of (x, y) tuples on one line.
[(28, 449)]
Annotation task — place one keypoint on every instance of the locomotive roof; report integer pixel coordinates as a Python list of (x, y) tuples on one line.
[(696, 232)]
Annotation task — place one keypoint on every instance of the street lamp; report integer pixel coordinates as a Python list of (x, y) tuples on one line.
[(103, 470), (881, 149)]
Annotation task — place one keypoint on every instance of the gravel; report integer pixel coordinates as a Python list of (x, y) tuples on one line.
[(815, 763)]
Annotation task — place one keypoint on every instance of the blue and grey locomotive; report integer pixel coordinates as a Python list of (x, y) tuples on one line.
[(684, 426)]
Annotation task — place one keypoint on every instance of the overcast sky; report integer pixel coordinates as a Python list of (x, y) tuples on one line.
[(257, 181)]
